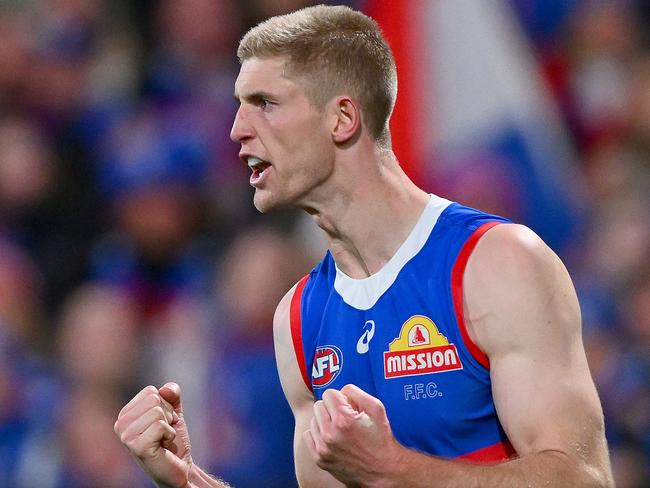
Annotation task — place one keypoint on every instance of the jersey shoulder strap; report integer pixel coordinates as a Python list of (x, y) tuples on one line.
[(295, 319)]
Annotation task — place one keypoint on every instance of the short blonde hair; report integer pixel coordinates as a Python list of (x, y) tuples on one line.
[(334, 49)]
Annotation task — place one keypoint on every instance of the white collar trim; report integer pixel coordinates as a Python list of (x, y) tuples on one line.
[(363, 293)]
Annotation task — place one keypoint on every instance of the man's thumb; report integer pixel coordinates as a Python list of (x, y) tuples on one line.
[(362, 401), (171, 393)]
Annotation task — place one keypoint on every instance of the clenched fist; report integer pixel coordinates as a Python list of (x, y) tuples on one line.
[(152, 427), (350, 437)]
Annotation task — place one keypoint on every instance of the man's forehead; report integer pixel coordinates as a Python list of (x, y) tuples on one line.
[(275, 64), (263, 73), (261, 69)]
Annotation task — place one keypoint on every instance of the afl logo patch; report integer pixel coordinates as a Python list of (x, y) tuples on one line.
[(328, 362)]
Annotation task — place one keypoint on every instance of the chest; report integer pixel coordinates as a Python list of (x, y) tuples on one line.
[(406, 351)]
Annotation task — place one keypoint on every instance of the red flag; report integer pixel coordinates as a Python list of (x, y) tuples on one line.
[(398, 20)]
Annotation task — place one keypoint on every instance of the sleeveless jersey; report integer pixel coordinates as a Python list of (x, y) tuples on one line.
[(400, 336)]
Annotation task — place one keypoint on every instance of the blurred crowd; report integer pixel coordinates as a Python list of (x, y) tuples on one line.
[(596, 57), (130, 252)]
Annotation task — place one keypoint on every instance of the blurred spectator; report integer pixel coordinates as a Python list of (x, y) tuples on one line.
[(44, 207), (21, 312), (99, 339), (619, 241), (604, 42), (13, 58), (25, 168), (63, 36), (259, 267), (151, 178), (92, 454), (99, 345), (189, 84), (28, 386), (194, 55)]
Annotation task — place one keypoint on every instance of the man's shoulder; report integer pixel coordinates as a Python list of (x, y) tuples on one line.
[(283, 310), (515, 286), (513, 247)]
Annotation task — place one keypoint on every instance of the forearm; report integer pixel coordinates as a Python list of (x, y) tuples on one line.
[(546, 469), (200, 479)]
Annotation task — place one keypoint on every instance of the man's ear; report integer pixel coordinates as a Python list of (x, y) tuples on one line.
[(347, 117)]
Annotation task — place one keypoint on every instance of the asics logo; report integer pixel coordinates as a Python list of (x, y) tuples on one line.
[(364, 340)]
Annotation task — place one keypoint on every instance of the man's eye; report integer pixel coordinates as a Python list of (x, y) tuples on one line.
[(264, 104)]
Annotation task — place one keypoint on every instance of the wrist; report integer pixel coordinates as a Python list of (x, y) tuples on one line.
[(393, 469), (177, 484), (192, 476), (197, 478)]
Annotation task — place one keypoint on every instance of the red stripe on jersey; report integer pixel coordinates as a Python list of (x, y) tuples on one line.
[(457, 274), (490, 454), (296, 329)]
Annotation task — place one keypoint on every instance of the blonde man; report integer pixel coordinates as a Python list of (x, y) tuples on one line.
[(434, 345)]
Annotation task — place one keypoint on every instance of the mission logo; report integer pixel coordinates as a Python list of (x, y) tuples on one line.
[(328, 361), (420, 349)]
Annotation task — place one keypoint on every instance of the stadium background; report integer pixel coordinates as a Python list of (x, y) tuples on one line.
[(130, 252)]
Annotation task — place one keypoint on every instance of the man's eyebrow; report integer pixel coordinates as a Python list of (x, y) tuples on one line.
[(253, 96)]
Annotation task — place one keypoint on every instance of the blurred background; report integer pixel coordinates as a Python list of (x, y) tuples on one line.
[(131, 254)]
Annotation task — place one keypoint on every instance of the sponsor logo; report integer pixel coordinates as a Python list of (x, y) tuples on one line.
[(364, 340), (328, 362), (420, 349)]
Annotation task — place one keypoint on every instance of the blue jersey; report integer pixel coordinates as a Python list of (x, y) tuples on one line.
[(400, 336)]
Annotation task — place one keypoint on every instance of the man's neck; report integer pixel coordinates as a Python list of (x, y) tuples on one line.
[(369, 217)]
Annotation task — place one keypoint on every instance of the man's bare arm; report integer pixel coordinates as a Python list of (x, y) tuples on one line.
[(521, 309), (299, 397)]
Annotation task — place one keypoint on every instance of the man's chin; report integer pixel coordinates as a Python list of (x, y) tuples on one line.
[(265, 203)]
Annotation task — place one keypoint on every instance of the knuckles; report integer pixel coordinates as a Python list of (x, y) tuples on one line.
[(150, 405), (324, 453), (158, 411), (126, 440), (378, 407), (161, 426), (152, 399), (342, 423)]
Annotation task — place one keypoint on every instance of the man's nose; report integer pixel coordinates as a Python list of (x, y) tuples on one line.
[(241, 127)]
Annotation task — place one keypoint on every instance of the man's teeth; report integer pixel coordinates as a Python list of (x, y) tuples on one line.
[(253, 161)]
